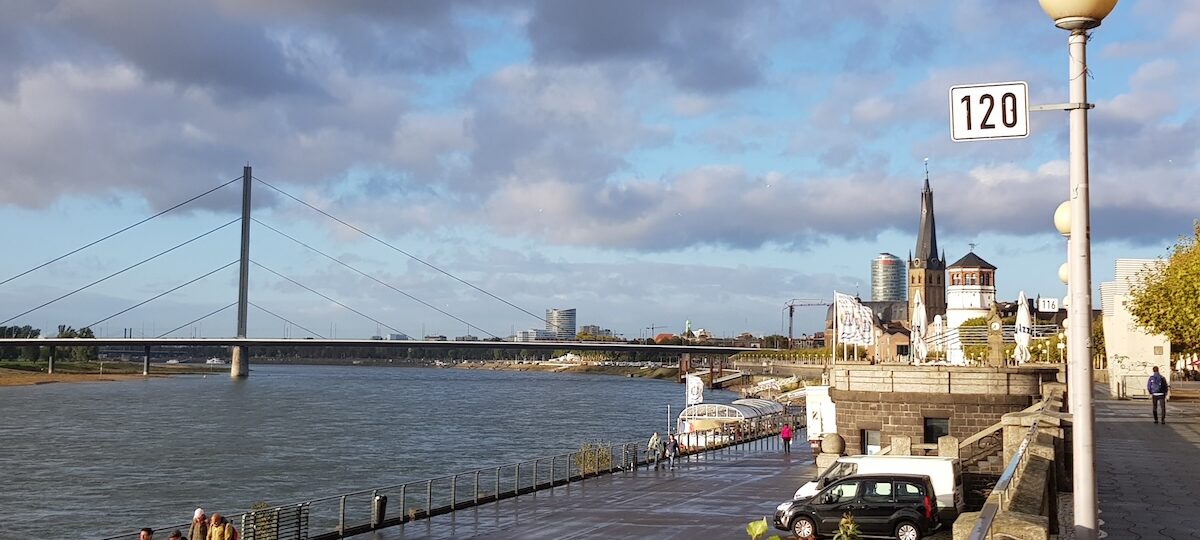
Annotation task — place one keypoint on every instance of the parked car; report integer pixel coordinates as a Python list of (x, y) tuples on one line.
[(900, 506), (945, 472)]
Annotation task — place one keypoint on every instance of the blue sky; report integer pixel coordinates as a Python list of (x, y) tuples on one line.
[(645, 163)]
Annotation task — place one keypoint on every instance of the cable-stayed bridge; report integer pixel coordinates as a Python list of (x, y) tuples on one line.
[(238, 344)]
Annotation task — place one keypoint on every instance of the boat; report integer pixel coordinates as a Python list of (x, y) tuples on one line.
[(172, 361), (215, 361)]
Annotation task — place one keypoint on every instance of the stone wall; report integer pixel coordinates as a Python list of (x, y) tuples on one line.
[(896, 400)]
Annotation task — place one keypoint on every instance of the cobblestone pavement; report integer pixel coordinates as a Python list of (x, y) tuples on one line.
[(1147, 474)]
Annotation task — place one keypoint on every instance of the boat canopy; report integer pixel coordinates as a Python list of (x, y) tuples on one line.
[(705, 416)]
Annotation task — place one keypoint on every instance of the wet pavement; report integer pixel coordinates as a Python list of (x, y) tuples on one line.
[(1147, 474), (713, 496)]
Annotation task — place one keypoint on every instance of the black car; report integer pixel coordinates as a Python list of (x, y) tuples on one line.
[(901, 506)]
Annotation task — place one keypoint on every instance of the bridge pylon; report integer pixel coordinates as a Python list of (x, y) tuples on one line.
[(239, 361)]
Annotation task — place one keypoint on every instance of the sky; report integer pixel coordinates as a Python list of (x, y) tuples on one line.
[(647, 163)]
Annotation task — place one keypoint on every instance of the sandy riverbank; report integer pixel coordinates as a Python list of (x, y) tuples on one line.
[(16, 377), (75, 372)]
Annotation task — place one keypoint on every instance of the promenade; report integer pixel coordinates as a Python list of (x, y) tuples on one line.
[(1147, 474), (713, 496)]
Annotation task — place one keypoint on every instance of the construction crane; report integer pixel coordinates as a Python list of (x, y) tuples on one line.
[(652, 328), (791, 306)]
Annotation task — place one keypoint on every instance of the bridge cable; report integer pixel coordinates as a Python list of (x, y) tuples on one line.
[(162, 294), (194, 321), (373, 278), (280, 317), (90, 244), (311, 290), (405, 253), (123, 270)]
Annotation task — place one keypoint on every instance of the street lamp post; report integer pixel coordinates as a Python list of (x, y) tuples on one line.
[(1077, 17)]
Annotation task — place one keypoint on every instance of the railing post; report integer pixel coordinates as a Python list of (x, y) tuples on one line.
[(453, 491), (517, 480), (553, 468), (429, 500), (342, 516), (403, 501), (497, 483), (477, 486)]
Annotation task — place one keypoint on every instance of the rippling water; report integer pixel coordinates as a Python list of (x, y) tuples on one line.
[(93, 459)]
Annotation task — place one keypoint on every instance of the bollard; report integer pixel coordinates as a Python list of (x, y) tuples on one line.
[(378, 509)]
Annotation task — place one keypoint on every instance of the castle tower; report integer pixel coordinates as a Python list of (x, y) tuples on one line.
[(926, 270), (971, 291)]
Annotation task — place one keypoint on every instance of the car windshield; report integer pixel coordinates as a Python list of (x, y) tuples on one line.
[(840, 470)]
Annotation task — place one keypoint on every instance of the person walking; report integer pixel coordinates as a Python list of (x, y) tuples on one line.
[(785, 433), (220, 528), (1158, 388), (654, 449), (673, 449), (199, 528)]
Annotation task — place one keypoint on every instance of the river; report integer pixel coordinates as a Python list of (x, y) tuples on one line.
[(94, 459)]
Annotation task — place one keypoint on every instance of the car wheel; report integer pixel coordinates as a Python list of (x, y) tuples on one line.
[(907, 530), (804, 528)]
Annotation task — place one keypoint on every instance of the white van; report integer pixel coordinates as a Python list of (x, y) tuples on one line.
[(945, 472)]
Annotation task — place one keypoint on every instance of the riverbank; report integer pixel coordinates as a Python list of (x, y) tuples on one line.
[(29, 373), (592, 369)]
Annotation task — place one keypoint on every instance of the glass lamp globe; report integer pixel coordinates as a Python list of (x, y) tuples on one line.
[(1062, 218)]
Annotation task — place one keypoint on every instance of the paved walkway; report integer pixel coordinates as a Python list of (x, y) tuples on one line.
[(714, 496), (1147, 474)]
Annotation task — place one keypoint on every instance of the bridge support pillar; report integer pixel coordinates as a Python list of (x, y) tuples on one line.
[(50, 359), (239, 361), (146, 361)]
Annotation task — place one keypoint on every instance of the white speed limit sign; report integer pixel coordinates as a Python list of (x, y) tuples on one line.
[(989, 111)]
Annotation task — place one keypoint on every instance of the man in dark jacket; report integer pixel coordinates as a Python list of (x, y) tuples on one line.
[(1158, 388)]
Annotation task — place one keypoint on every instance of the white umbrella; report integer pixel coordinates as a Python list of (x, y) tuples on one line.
[(1024, 330), (936, 336), (917, 339)]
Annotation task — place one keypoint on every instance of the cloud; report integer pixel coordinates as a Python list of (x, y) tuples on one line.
[(712, 48)]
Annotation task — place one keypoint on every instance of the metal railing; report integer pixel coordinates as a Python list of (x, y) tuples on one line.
[(983, 526), (357, 512)]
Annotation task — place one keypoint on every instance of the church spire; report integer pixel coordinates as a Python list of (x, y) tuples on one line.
[(927, 250)]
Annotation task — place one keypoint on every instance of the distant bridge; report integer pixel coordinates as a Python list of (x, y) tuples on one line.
[(148, 343)]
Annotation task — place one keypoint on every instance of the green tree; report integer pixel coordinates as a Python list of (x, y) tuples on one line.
[(1162, 298)]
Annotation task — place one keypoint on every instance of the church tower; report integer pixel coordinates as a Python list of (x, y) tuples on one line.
[(926, 270)]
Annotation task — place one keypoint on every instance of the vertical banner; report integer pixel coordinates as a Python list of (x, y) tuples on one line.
[(695, 390)]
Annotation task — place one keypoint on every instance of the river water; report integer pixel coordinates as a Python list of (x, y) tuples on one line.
[(95, 459)]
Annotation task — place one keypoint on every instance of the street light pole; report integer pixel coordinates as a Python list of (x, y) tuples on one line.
[(1077, 17), (1080, 311)]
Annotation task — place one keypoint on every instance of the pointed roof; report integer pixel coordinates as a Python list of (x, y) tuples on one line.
[(927, 250), (971, 260)]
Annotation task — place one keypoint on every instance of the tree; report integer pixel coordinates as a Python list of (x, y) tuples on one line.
[(1162, 298)]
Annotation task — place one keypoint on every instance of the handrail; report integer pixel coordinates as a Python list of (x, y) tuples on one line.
[(987, 515), (516, 480)]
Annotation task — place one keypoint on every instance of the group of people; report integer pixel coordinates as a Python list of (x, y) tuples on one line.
[(202, 528), (659, 449)]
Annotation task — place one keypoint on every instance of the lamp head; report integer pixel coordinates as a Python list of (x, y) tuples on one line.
[(1062, 218), (1077, 14)]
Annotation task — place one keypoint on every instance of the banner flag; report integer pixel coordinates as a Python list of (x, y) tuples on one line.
[(695, 390)]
